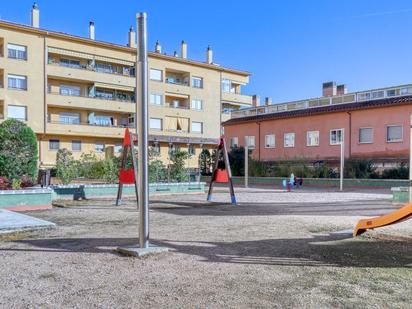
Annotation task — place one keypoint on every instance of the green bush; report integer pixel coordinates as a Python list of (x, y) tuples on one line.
[(91, 167), (67, 168), (157, 171), (400, 172), (178, 171), (360, 169), (18, 150), (237, 161), (205, 162), (110, 170)]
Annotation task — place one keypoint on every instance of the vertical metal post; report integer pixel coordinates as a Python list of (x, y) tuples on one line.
[(410, 161), (246, 165), (342, 159), (142, 125)]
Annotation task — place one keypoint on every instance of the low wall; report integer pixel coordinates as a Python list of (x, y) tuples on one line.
[(110, 190), (26, 199), (400, 194), (326, 182)]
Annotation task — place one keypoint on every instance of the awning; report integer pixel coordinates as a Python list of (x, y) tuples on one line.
[(176, 95), (114, 87)]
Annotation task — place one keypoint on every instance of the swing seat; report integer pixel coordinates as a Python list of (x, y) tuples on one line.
[(126, 176), (221, 176)]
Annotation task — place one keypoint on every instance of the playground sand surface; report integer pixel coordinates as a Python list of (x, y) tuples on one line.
[(272, 250)]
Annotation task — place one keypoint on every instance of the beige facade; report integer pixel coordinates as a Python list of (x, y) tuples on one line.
[(79, 93)]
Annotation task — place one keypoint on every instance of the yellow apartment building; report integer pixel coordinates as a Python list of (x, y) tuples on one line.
[(79, 93)]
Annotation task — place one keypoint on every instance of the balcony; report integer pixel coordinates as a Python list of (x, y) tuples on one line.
[(86, 72), (87, 102), (179, 102), (236, 98), (85, 129), (177, 78)]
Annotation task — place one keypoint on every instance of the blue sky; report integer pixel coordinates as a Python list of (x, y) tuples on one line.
[(290, 47)]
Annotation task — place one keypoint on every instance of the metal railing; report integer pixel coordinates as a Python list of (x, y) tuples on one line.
[(89, 124), (361, 96), (114, 98)]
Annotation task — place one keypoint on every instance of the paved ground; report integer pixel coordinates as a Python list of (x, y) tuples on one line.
[(272, 250), (17, 222)]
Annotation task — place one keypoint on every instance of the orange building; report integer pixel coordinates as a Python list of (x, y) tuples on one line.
[(374, 124)]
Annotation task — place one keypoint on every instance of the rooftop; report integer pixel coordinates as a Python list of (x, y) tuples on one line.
[(125, 48), (397, 95)]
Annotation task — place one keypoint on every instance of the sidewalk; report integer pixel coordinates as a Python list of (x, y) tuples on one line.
[(16, 222)]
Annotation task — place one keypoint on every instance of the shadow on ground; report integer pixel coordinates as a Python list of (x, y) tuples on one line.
[(330, 250)]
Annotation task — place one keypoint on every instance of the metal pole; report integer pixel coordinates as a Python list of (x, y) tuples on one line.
[(342, 159), (246, 166), (142, 120), (410, 162)]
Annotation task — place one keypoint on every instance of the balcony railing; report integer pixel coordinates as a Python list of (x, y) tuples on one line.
[(91, 67), (90, 124), (362, 96), (99, 97), (175, 81)]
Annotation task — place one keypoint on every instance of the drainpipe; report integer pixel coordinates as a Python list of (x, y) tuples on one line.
[(258, 123), (350, 134)]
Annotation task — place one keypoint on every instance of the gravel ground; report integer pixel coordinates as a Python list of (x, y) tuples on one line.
[(274, 249)]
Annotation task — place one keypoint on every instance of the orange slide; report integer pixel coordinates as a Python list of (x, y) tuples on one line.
[(396, 216)]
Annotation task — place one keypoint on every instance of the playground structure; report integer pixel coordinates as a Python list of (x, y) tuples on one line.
[(127, 175), (221, 171)]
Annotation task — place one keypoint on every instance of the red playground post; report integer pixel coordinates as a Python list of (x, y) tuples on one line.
[(221, 171), (127, 176)]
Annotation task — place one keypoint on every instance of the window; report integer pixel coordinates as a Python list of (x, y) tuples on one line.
[(54, 144), (17, 82), (197, 82), (178, 124), (70, 63), (197, 104), (156, 148), (99, 147), (156, 75), (394, 133), (100, 120), (336, 136), (289, 140), (226, 85), (105, 68), (17, 51), (70, 90), (156, 99), (173, 148), (156, 124), (378, 94), (104, 94), (365, 135), (312, 138), (250, 141), (391, 93), (270, 141), (118, 148), (191, 149), (197, 127), (69, 118), (76, 145), (17, 112), (234, 142)]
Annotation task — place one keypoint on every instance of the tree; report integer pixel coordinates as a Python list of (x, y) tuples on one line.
[(18, 150), (237, 161), (66, 166), (177, 168), (205, 162)]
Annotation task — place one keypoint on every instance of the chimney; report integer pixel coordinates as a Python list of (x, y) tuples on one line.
[(91, 30), (341, 89), (184, 50), (35, 16), (268, 101), (158, 47), (255, 100), (328, 89), (209, 55), (132, 37)]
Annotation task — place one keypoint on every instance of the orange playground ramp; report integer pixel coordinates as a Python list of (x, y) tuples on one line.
[(396, 216)]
